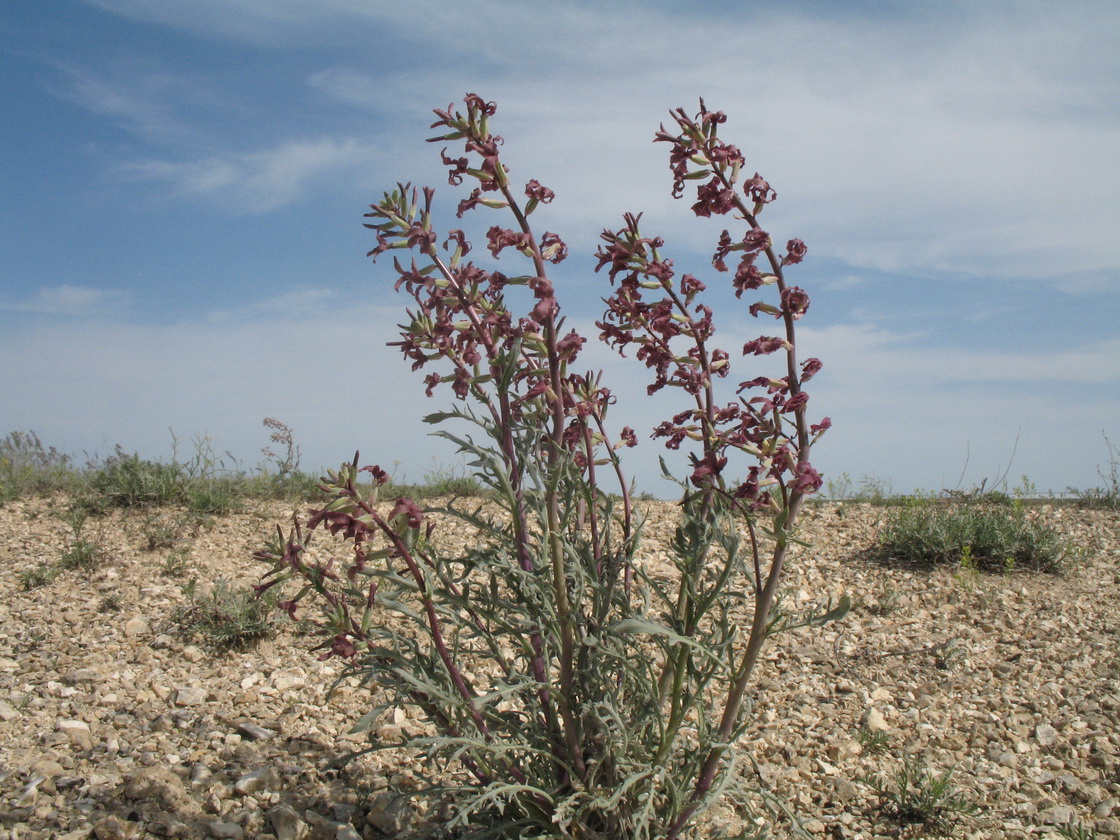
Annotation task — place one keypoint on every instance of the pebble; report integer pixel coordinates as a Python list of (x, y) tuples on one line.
[(114, 828), (254, 732), (158, 785), (190, 696), (78, 733), (225, 830), (257, 780), (286, 823), (1046, 735), (875, 721)]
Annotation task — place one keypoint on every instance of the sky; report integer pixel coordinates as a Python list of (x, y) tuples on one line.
[(184, 182)]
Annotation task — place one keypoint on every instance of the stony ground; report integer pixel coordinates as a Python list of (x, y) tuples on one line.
[(115, 723)]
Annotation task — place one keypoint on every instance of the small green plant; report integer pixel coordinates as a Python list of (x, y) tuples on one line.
[(111, 602), (27, 466), (38, 575), (968, 573), (887, 602), (127, 481), (917, 797), (949, 655), (873, 740), (177, 562), (974, 538), (1075, 831), (226, 616), (81, 552)]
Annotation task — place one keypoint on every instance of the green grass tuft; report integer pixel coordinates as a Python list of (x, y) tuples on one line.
[(993, 539)]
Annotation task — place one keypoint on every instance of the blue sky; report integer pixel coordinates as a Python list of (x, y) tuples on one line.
[(183, 187)]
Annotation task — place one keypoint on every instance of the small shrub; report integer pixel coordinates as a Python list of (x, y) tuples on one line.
[(177, 562), (577, 695), (213, 495), (874, 740), (990, 539), (82, 552), (38, 575), (27, 466), (226, 616), (127, 481), (917, 797)]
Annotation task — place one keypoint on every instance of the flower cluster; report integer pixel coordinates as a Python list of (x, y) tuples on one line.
[(657, 312), (463, 316)]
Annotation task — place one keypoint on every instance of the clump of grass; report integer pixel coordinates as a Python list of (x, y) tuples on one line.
[(991, 539), (226, 616), (82, 551), (873, 740), (1075, 831), (917, 797), (38, 575), (28, 467), (177, 562), (128, 481)]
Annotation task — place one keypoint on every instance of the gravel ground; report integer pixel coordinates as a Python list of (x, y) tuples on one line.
[(116, 724)]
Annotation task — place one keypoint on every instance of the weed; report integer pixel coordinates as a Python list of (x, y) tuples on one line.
[(127, 481), (81, 552), (38, 575), (873, 740), (226, 616), (177, 562), (887, 602), (974, 538), (288, 463), (1075, 831), (111, 602), (917, 797), (579, 696)]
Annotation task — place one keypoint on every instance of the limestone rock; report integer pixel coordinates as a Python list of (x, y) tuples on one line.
[(158, 785)]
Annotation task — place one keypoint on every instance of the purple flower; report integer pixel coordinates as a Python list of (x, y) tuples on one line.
[(756, 240), (806, 479), (795, 252), (809, 368), (713, 197), (536, 192), (764, 345), (409, 510), (795, 301), (379, 475), (758, 190), (747, 276)]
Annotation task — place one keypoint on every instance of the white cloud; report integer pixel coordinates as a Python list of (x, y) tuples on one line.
[(901, 409), (262, 180), (983, 145), (69, 300)]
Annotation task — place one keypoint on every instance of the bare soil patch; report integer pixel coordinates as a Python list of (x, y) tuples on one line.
[(113, 723)]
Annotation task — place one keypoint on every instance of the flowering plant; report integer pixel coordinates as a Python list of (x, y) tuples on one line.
[(571, 692)]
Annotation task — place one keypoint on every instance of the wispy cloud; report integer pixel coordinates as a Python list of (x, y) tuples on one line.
[(69, 300), (259, 181), (983, 146)]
